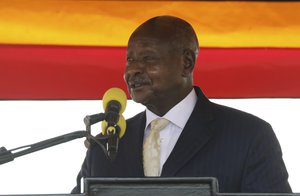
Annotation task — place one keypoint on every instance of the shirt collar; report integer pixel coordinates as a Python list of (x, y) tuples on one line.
[(179, 114)]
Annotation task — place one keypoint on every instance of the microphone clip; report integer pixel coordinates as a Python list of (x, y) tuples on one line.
[(112, 134)]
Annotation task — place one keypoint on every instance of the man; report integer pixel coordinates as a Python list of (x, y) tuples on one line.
[(200, 139)]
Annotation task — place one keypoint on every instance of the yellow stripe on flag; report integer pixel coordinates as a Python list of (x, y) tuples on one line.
[(110, 23)]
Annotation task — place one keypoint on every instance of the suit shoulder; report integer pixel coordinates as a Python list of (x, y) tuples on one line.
[(242, 128), (230, 113), (234, 119)]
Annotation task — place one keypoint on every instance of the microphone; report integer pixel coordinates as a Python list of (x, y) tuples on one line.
[(114, 103), (114, 125)]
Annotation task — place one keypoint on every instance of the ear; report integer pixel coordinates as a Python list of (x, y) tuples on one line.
[(188, 62)]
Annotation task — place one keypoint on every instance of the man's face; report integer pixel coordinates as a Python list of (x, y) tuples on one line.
[(153, 71)]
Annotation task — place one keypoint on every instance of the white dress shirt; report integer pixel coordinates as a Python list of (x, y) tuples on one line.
[(178, 117)]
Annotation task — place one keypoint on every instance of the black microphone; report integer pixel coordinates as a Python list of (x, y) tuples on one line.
[(114, 125)]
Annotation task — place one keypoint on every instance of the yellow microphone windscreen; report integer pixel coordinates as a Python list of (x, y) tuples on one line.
[(115, 94)]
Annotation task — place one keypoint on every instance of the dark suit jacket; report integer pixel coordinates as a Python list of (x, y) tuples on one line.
[(237, 148)]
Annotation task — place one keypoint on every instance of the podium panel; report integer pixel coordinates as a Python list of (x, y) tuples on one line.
[(151, 186)]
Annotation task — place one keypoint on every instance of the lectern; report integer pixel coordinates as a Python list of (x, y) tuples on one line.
[(156, 187), (151, 186)]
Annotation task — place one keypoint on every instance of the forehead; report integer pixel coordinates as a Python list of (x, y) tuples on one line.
[(143, 41), (137, 44)]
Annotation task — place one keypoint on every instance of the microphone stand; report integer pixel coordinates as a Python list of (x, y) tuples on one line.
[(10, 155), (89, 121), (93, 119)]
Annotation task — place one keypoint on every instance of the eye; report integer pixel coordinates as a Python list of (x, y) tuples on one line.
[(129, 60), (149, 59)]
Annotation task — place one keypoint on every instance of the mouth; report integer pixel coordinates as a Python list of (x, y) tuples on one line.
[(137, 84)]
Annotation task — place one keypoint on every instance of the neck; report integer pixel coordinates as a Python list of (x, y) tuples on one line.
[(163, 107)]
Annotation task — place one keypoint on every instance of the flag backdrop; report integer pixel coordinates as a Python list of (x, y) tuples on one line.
[(75, 49)]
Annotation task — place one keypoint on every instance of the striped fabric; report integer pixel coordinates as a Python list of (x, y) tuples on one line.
[(75, 49)]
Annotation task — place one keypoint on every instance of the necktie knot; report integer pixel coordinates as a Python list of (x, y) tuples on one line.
[(159, 124)]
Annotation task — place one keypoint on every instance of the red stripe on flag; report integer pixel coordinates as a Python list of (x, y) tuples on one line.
[(249, 72), (67, 72)]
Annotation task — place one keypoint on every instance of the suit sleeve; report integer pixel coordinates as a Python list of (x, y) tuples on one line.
[(265, 170)]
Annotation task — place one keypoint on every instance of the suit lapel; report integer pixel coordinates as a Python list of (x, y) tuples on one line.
[(134, 146), (196, 133)]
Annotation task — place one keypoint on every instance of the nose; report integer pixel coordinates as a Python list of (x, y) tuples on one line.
[(132, 69)]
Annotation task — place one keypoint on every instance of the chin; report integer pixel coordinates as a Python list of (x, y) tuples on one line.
[(139, 99)]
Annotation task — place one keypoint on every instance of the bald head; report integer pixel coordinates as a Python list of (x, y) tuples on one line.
[(171, 30), (160, 61)]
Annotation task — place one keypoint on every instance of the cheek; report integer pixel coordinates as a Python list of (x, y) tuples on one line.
[(165, 74), (162, 81)]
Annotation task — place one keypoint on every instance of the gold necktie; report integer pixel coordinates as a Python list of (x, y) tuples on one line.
[(151, 151)]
